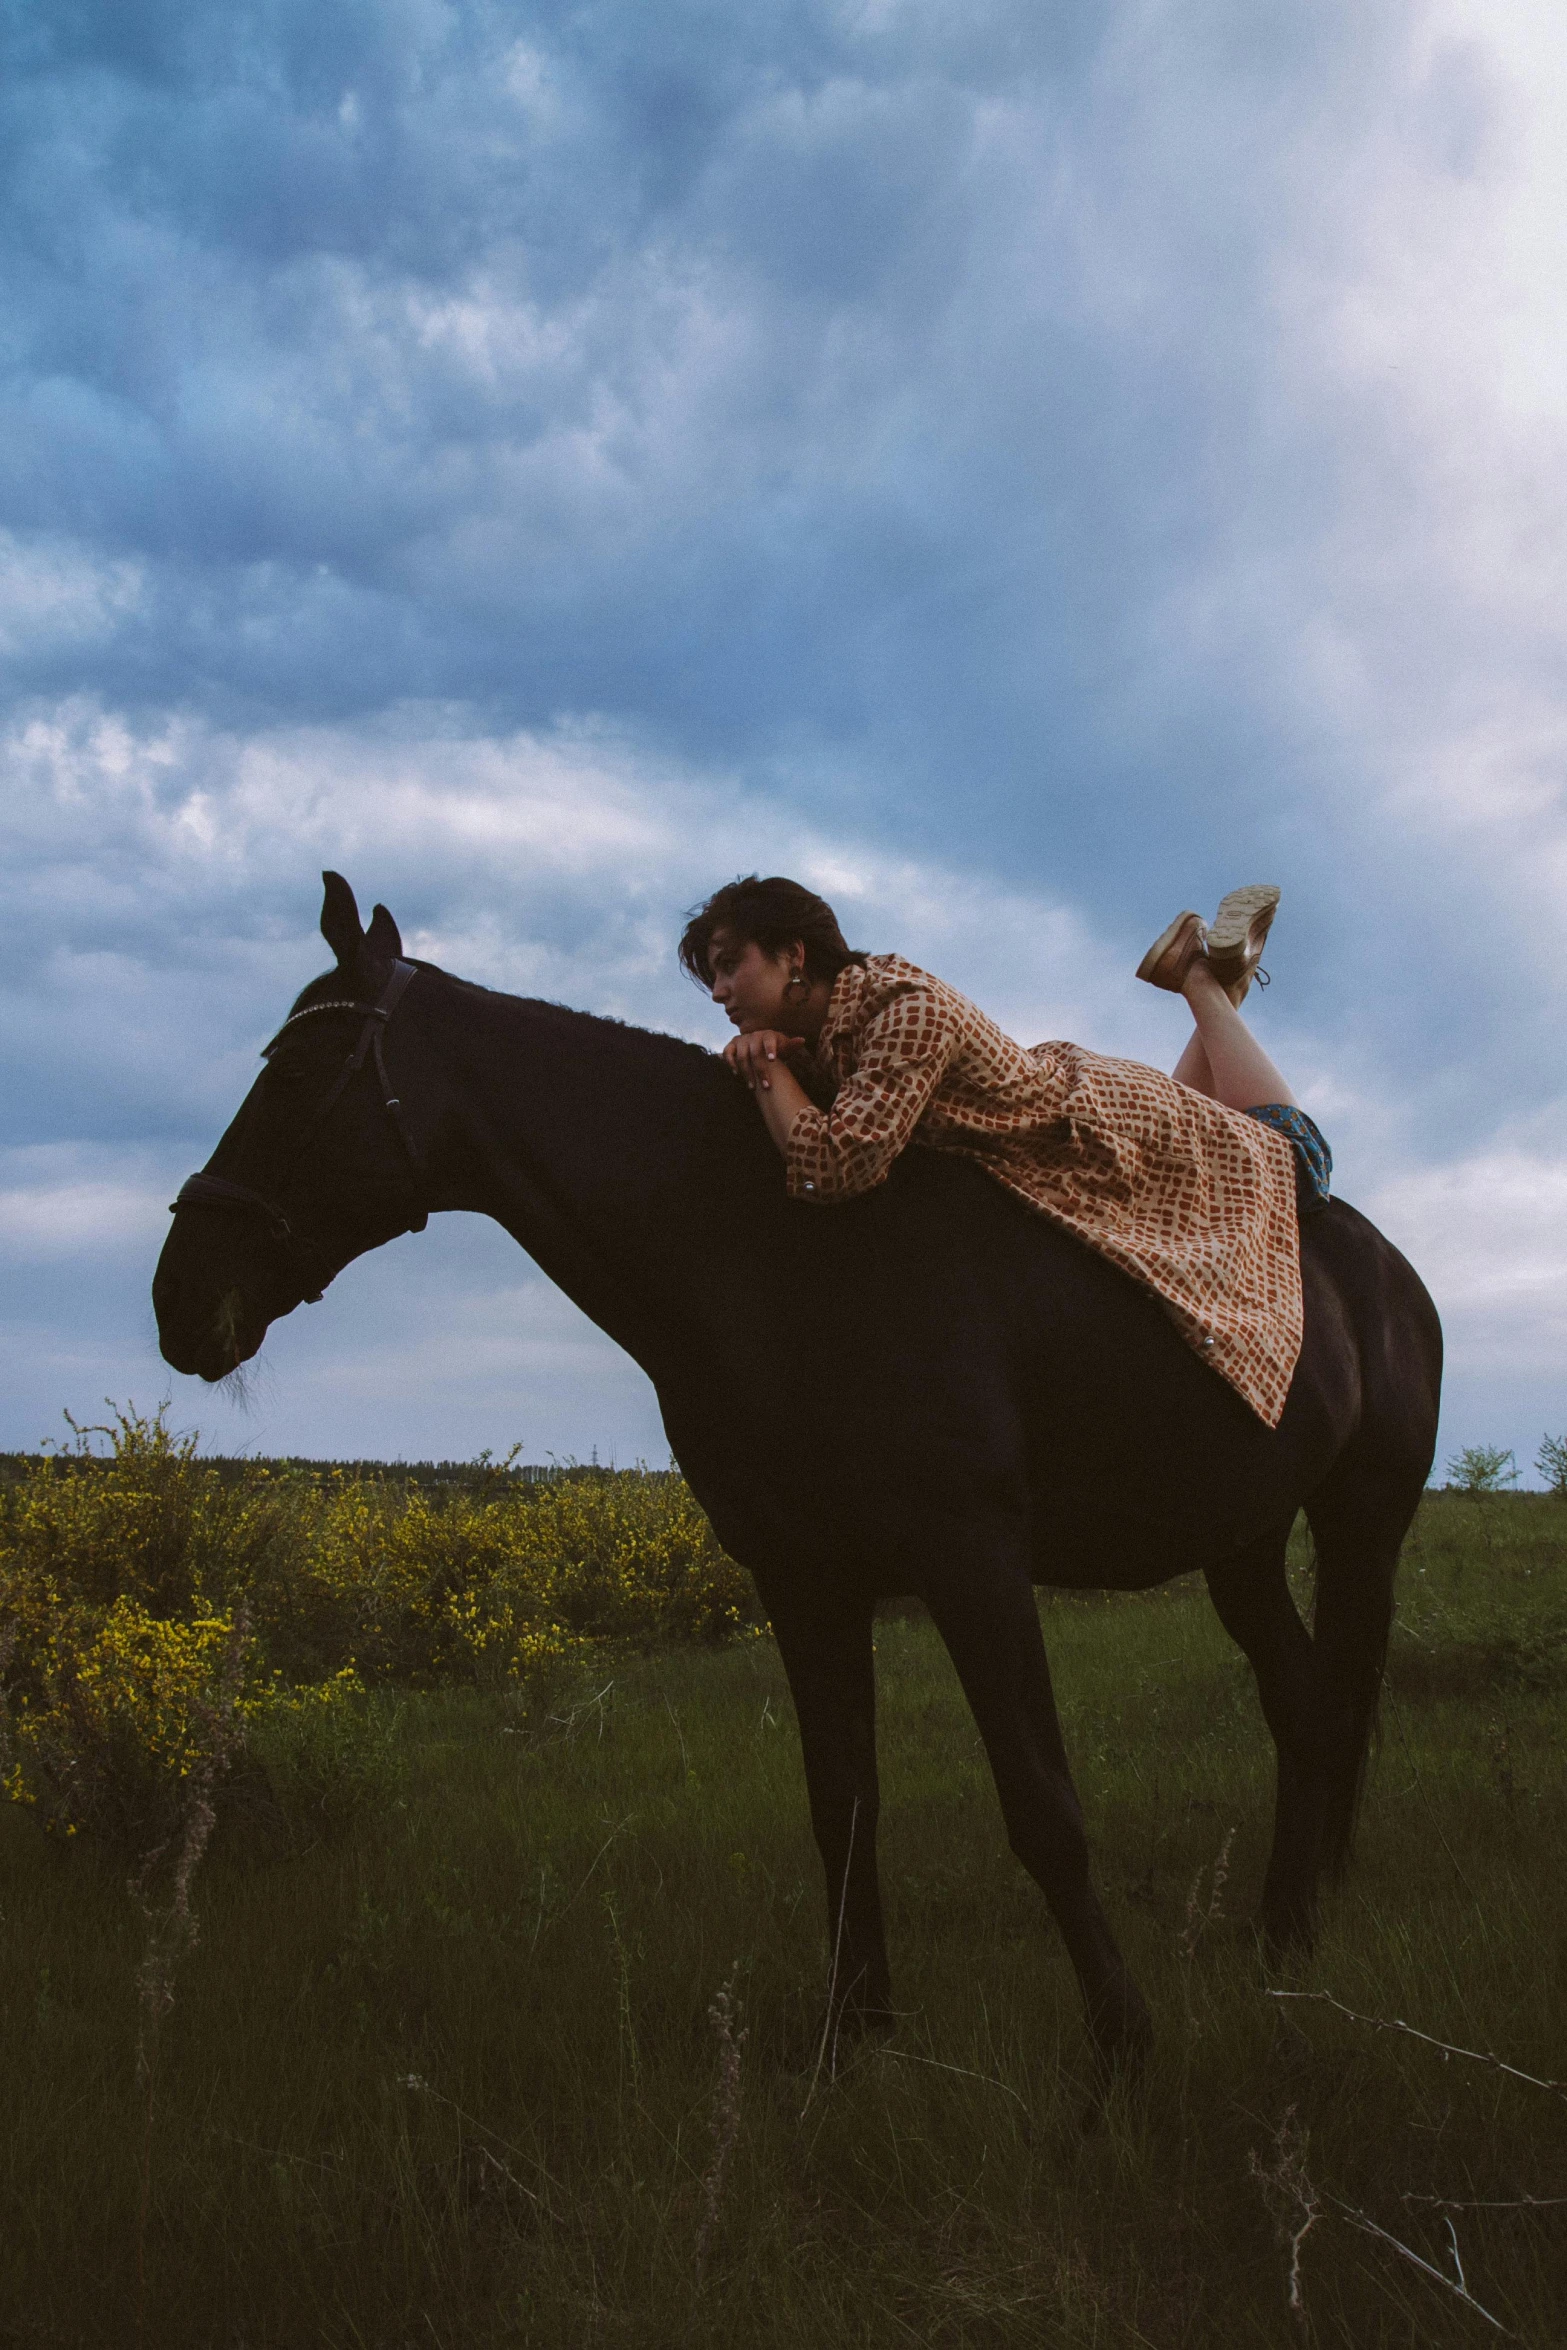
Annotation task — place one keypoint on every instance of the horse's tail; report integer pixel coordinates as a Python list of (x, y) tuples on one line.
[(1358, 1522)]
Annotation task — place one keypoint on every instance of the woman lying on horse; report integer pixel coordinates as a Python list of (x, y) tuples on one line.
[(1190, 1183)]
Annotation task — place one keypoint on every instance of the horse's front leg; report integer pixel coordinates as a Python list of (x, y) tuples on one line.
[(824, 1637), (982, 1599)]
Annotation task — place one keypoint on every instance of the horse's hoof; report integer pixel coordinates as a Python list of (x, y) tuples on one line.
[(854, 2024), (845, 2027), (1121, 2028), (1120, 2059), (1286, 1935)]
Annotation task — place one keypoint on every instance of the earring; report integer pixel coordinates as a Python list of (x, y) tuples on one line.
[(797, 986)]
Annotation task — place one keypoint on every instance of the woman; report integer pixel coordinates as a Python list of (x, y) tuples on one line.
[(1189, 1183)]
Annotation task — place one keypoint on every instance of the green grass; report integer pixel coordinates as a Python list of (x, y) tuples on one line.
[(533, 1926)]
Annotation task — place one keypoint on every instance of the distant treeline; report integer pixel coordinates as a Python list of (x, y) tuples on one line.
[(462, 1476)]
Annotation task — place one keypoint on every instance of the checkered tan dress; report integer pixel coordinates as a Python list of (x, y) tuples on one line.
[(1196, 1202)]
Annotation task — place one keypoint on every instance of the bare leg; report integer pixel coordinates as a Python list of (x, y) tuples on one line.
[(1192, 1068), (1241, 1076)]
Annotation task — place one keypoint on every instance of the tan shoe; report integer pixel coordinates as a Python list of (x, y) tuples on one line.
[(1237, 935), (1173, 953)]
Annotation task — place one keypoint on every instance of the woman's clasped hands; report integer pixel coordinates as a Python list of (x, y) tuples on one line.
[(754, 1057)]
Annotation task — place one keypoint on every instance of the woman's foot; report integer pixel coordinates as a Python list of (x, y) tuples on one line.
[(1237, 935), (1173, 953)]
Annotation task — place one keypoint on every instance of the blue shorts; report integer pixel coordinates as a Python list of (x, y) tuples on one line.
[(1313, 1159)]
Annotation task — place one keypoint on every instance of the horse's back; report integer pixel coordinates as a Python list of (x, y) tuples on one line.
[(956, 1357), (1145, 1457)]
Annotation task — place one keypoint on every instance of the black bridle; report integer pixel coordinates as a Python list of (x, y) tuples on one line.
[(215, 1191)]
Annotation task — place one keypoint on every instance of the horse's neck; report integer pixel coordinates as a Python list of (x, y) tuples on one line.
[(597, 1147)]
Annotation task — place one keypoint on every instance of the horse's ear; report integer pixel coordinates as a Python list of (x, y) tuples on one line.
[(383, 937), (340, 923)]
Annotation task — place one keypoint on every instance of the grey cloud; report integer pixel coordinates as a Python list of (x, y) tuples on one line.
[(793, 405)]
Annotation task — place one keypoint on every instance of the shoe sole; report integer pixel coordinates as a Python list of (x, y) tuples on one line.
[(1238, 936), (1238, 916)]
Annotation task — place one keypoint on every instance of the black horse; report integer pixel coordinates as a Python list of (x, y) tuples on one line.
[(931, 1391)]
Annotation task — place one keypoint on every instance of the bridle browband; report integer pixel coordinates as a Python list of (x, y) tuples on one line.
[(215, 1191)]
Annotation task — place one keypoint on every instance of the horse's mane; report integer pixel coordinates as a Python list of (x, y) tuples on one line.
[(590, 1026)]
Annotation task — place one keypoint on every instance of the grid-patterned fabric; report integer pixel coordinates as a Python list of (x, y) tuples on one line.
[(1194, 1201)]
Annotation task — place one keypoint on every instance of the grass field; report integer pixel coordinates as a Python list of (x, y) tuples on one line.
[(448, 2075)]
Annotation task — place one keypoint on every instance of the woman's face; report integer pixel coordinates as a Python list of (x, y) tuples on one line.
[(751, 984)]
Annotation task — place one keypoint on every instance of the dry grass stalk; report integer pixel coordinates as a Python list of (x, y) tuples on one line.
[(1297, 2206), (830, 2021), (1201, 1915), (7, 1744), (724, 2014), (964, 2073), (1292, 2199), (1490, 2203), (418, 2086), (1378, 2023), (172, 1930), (627, 2022), (1459, 2288)]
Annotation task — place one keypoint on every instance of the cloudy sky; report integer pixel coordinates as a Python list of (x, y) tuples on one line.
[(1024, 470)]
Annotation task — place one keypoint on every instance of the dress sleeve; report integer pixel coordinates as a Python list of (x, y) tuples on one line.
[(902, 1056)]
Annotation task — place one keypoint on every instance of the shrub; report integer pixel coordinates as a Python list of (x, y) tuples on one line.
[(123, 1583), (112, 1712), (129, 1569), (1481, 1468), (1551, 1462), (145, 1521), (628, 1556)]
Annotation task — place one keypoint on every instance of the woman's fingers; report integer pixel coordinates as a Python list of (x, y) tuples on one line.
[(751, 1056)]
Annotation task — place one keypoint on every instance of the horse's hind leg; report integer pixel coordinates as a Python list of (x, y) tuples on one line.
[(1358, 1521), (1251, 1594), (985, 1610)]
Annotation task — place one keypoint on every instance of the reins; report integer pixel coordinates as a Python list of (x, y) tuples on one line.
[(215, 1191)]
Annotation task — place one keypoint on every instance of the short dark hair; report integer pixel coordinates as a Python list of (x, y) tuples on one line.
[(772, 914)]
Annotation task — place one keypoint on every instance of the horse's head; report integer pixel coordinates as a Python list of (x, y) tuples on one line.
[(319, 1166)]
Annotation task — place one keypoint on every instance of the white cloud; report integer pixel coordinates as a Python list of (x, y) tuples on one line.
[(1489, 1236), (56, 594), (559, 865), (73, 1203), (1420, 382)]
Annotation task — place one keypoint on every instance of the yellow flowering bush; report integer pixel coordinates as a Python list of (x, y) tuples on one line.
[(451, 1614), (630, 1557), (124, 1570), (112, 1711), (504, 1581), (145, 1521), (343, 1590)]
